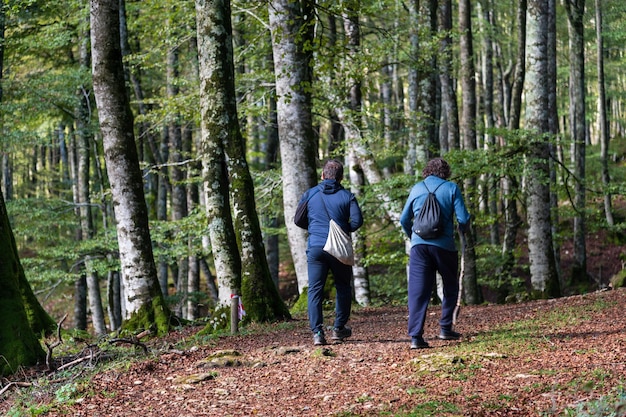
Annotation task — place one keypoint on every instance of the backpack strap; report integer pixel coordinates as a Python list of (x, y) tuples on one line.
[(436, 188), (440, 184)]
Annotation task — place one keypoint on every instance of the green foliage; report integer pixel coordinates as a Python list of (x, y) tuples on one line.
[(218, 322), (612, 405), (301, 304), (42, 79), (45, 231)]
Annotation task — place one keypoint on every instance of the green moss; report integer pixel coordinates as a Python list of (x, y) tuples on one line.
[(300, 306), (619, 280), (155, 316), (218, 322)]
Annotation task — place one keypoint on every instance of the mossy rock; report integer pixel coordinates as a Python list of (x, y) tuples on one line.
[(619, 280), (223, 359)]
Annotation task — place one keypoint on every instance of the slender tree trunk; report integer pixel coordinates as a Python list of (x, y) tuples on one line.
[(449, 108), (177, 174), (80, 302), (291, 27), (510, 182), (190, 145), (578, 126), (114, 298), (359, 270), (471, 291), (193, 201), (271, 158), (554, 148), (490, 180), (83, 140), (80, 284), (143, 299), (429, 101), (602, 118), (352, 29), (214, 168), (336, 137), (7, 174), (544, 279), (164, 189), (413, 151)]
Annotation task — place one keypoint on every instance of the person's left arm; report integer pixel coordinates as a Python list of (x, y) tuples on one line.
[(406, 218), (356, 217)]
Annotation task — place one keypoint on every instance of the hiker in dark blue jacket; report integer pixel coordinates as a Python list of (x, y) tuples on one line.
[(431, 255), (325, 200)]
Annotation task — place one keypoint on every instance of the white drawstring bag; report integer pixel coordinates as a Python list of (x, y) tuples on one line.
[(339, 244)]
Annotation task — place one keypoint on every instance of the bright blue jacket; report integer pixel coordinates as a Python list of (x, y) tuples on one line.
[(340, 204), (451, 202)]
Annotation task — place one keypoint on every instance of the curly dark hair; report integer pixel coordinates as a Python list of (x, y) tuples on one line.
[(438, 167), (333, 170)]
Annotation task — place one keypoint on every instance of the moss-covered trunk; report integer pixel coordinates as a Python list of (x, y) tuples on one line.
[(260, 295), (22, 315)]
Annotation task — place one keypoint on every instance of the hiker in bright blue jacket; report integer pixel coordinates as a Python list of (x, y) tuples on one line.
[(325, 200), (431, 255)]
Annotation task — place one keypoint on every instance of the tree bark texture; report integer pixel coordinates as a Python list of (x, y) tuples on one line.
[(83, 142), (544, 279), (449, 107), (291, 28), (22, 315), (140, 286), (471, 290), (260, 295), (578, 127), (222, 236), (602, 116)]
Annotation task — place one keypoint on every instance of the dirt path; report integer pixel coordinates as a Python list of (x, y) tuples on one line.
[(573, 354)]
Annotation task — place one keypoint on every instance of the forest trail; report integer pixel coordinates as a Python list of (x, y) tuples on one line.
[(528, 359)]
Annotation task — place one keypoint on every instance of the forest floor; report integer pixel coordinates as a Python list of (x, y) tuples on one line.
[(529, 359), (536, 358)]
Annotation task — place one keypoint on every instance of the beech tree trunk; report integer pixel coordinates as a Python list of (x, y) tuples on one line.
[(544, 278), (602, 117), (292, 32), (578, 127), (449, 129), (143, 300), (352, 29), (510, 183), (260, 295), (83, 173), (471, 292)]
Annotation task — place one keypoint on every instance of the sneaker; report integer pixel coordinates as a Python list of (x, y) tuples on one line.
[(340, 333), (418, 342), (449, 335), (319, 339)]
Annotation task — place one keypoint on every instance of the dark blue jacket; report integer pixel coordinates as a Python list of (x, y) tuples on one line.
[(329, 199)]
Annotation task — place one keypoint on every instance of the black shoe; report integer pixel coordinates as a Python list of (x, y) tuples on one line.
[(419, 343), (449, 335), (340, 333), (319, 339)]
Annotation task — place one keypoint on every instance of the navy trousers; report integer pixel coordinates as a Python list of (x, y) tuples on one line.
[(424, 262), (319, 263)]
